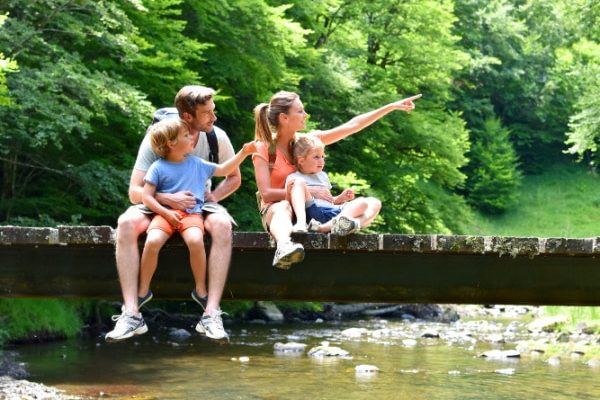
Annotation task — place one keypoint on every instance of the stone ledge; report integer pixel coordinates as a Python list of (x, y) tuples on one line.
[(395, 243)]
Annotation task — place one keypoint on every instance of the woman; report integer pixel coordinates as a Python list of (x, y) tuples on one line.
[(277, 124)]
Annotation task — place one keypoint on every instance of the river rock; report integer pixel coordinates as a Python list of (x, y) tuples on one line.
[(328, 351), (354, 332), (179, 334), (547, 324), (500, 354), (555, 361), (290, 347), (505, 371), (366, 369), (430, 334), (12, 389), (269, 311), (594, 363)]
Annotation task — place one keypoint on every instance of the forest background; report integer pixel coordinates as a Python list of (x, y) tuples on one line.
[(510, 89)]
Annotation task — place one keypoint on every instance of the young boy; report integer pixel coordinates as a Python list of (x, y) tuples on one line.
[(174, 172), (342, 215)]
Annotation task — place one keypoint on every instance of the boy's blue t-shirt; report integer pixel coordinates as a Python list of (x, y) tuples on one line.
[(188, 175)]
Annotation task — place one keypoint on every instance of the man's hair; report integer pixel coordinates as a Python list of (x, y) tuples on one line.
[(163, 132), (303, 145), (190, 96)]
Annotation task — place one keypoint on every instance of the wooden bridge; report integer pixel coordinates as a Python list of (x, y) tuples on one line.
[(78, 262)]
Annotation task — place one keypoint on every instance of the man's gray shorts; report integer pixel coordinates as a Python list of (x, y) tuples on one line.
[(210, 207)]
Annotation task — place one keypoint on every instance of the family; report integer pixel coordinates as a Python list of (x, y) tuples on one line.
[(171, 190)]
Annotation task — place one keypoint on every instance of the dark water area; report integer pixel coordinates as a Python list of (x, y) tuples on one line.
[(153, 366)]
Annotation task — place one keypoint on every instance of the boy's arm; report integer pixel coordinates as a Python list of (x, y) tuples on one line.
[(150, 201), (177, 201), (228, 166)]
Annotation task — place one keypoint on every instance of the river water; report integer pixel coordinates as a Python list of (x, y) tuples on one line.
[(154, 366)]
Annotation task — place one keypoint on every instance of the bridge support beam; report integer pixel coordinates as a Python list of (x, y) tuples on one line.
[(79, 262)]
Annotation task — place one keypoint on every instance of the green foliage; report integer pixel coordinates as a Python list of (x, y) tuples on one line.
[(584, 132), (23, 319), (493, 175), (90, 74), (69, 141), (6, 65), (299, 306)]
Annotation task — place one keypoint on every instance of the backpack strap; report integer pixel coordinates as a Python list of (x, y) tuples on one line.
[(213, 144)]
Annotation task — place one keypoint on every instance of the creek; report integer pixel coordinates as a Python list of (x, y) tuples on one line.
[(413, 363)]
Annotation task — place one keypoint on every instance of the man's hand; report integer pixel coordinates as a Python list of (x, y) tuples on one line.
[(177, 201), (208, 196)]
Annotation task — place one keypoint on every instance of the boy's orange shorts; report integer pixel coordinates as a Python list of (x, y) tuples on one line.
[(186, 221)]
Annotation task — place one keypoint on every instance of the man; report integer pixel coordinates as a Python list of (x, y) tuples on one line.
[(196, 107)]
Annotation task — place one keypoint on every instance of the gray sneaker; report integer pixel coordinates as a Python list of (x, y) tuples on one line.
[(127, 325), (287, 254), (145, 299), (200, 300), (343, 226), (212, 326)]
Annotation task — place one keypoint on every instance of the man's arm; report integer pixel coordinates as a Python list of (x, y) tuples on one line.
[(233, 181), (176, 201), (227, 186)]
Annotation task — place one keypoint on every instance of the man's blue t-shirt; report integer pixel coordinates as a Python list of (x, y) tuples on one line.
[(189, 175)]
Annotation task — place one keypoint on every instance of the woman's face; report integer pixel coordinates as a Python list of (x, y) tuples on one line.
[(296, 116)]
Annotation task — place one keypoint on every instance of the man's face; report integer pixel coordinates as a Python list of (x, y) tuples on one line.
[(204, 119)]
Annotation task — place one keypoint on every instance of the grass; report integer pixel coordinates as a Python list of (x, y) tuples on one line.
[(24, 319), (562, 202)]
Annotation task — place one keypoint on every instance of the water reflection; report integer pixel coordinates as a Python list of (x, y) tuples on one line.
[(250, 367)]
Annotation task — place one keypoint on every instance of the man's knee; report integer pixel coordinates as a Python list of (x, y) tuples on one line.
[(131, 224), (218, 226)]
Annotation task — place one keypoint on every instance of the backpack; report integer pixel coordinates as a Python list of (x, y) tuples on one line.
[(213, 143)]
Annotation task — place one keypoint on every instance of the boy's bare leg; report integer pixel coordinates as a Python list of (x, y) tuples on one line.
[(218, 226), (194, 239), (154, 242), (131, 224)]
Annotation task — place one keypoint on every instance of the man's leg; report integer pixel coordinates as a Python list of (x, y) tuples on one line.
[(218, 226), (131, 224)]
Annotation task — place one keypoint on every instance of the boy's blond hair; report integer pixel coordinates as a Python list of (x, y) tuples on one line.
[(303, 145), (164, 132)]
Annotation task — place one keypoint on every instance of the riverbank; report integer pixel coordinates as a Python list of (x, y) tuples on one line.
[(14, 386)]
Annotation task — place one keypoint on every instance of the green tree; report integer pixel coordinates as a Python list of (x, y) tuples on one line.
[(493, 178), (80, 100)]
